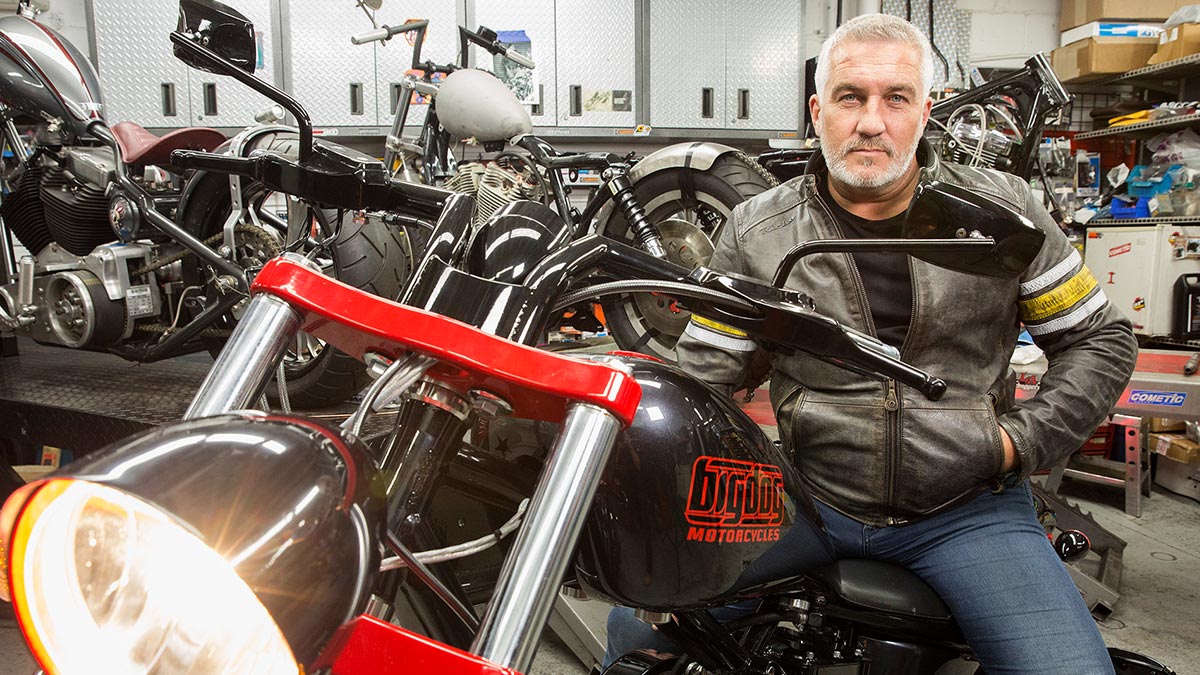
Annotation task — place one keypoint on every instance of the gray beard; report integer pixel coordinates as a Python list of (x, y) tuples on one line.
[(840, 169)]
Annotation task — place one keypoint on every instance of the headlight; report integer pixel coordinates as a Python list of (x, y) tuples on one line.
[(99, 577), (225, 545)]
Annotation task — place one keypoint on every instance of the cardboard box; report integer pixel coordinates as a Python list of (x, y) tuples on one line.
[(1098, 57), (1176, 446), (1078, 12), (1109, 29), (1161, 424), (1182, 479), (1176, 43)]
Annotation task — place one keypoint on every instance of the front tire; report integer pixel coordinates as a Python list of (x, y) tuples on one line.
[(652, 323)]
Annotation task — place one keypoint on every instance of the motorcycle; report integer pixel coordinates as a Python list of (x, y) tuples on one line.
[(242, 541), (129, 255), (671, 203)]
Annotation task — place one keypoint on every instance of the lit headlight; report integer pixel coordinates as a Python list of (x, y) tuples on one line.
[(225, 545), (99, 577)]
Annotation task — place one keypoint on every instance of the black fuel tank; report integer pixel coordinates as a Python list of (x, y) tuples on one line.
[(697, 507)]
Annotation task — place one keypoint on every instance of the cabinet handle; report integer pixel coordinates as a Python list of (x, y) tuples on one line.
[(356, 98), (743, 111), (576, 100), (535, 110), (706, 102), (397, 92), (210, 98), (168, 100)]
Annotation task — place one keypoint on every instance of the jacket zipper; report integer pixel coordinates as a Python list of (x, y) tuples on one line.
[(892, 406), (891, 402)]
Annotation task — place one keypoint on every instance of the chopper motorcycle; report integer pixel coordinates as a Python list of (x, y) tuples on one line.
[(131, 257), (240, 541), (671, 203)]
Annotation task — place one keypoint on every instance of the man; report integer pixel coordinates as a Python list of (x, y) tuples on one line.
[(937, 487)]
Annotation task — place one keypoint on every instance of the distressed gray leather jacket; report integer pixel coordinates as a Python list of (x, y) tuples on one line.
[(881, 452)]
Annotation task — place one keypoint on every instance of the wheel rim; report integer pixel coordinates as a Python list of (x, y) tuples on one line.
[(685, 245), (654, 318)]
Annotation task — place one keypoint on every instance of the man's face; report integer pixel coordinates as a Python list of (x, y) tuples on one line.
[(872, 113)]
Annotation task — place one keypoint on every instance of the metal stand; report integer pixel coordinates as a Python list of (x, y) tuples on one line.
[(1133, 474), (576, 634), (1099, 591)]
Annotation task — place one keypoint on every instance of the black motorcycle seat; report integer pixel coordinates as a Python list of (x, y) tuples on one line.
[(883, 587)]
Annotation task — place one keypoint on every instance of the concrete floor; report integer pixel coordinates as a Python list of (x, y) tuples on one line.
[(1158, 613)]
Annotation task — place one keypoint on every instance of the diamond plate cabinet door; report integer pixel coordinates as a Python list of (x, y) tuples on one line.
[(536, 19), (596, 63), (141, 79), (687, 64), (220, 100), (762, 69), (333, 79), (393, 59)]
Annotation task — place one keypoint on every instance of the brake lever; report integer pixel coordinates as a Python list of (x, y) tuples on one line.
[(789, 320)]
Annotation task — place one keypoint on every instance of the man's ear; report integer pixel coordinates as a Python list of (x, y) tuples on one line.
[(925, 112), (814, 108)]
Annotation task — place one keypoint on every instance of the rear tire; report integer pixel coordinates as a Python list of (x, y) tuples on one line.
[(368, 255), (652, 324)]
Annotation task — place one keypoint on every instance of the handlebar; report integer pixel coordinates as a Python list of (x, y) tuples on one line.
[(385, 32), (488, 39)]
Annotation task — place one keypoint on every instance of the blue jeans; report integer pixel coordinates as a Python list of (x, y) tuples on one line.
[(991, 563)]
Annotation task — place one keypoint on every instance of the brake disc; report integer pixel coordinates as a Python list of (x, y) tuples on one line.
[(686, 245)]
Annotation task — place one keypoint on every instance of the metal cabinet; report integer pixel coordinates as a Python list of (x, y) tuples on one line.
[(140, 78), (762, 67), (333, 79), (595, 63), (687, 64), (536, 19), (392, 60), (725, 64), (143, 82)]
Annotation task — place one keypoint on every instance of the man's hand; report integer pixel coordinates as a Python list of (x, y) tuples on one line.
[(1011, 459)]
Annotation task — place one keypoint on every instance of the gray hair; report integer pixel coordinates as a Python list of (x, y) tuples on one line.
[(875, 28)]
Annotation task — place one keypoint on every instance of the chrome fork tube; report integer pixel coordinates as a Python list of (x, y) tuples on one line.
[(535, 566), (248, 359)]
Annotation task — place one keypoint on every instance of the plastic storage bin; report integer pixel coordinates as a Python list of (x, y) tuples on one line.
[(1123, 211), (1155, 179)]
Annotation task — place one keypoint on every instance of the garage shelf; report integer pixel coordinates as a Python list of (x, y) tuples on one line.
[(1142, 221), (1144, 128)]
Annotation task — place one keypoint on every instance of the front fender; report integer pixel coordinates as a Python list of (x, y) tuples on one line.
[(700, 155)]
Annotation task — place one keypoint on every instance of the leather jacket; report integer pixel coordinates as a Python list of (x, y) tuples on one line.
[(881, 452)]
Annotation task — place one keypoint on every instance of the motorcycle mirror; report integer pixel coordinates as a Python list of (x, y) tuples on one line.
[(942, 211), (373, 5), (220, 28)]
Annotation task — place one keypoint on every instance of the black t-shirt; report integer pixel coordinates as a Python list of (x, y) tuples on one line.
[(885, 276)]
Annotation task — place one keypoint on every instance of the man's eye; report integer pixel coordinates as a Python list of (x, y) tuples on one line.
[(898, 98), (849, 97)]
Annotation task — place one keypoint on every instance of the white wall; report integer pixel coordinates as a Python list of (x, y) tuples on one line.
[(1003, 32), (1006, 32), (69, 17)]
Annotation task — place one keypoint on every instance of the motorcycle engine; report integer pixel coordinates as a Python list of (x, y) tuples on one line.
[(66, 203), (981, 135), (493, 185)]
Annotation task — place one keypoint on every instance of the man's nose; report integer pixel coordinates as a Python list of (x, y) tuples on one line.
[(870, 121)]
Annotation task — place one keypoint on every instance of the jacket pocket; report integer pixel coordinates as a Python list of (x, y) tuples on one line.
[(945, 453), (785, 400)]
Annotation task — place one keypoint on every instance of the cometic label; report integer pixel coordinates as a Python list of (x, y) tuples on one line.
[(139, 300), (735, 501), (1174, 399)]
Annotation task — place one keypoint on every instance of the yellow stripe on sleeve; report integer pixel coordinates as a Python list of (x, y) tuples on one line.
[(1060, 298), (718, 327)]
